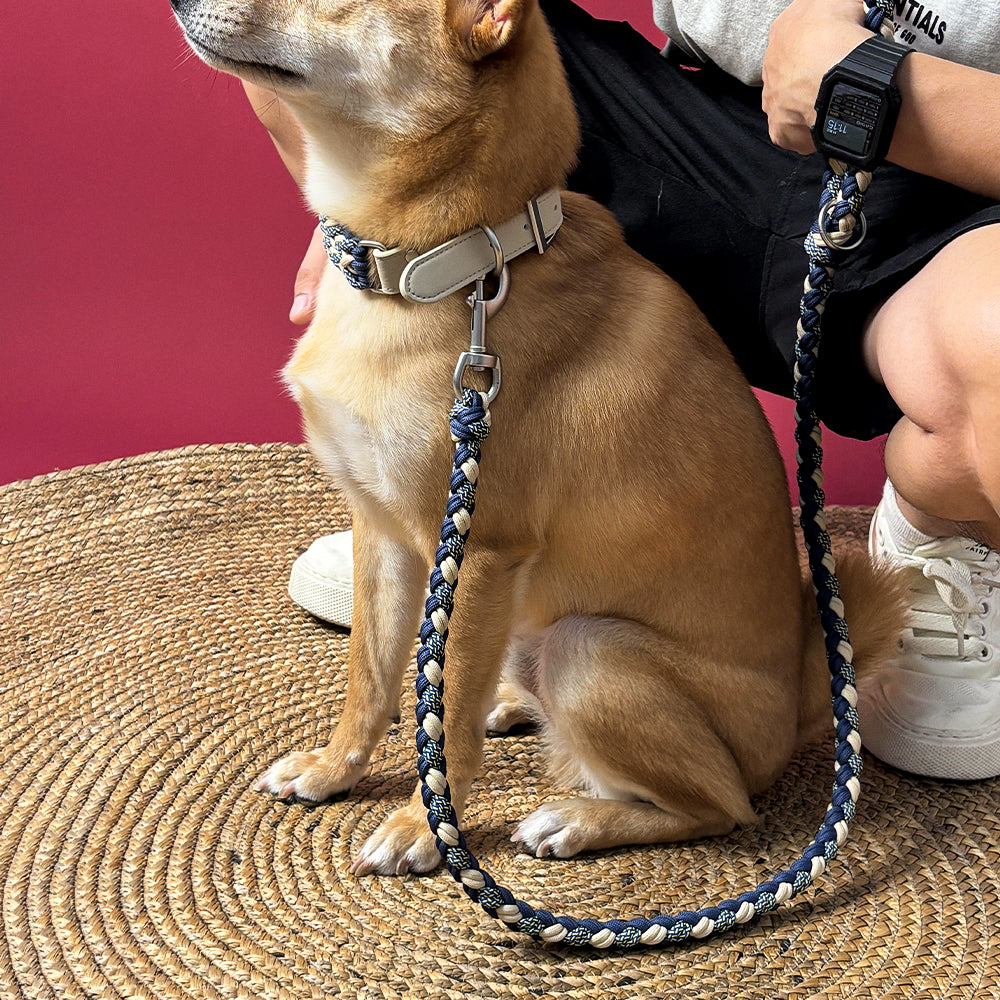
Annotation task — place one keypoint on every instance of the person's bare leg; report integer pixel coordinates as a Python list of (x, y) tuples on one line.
[(935, 344)]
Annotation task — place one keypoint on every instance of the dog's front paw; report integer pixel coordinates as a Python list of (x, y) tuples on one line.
[(313, 776), (403, 843), (554, 830)]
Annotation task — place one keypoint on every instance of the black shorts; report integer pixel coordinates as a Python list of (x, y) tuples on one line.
[(684, 161)]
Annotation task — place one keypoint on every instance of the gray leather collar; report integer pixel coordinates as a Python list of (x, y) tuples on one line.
[(434, 274)]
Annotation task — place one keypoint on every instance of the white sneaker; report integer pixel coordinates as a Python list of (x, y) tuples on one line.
[(322, 580), (935, 709)]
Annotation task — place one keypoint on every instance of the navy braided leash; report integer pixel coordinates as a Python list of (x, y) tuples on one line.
[(840, 209), (347, 253)]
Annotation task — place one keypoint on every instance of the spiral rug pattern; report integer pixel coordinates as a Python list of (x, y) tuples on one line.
[(153, 666)]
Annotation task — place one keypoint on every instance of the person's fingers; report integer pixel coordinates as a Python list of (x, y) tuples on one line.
[(307, 280)]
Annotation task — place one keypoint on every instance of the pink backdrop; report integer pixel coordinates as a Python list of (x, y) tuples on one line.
[(150, 239)]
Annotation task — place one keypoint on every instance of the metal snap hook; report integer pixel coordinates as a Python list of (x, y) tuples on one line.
[(495, 303), (478, 357), (477, 362)]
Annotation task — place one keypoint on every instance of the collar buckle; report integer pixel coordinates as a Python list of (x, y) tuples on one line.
[(537, 223)]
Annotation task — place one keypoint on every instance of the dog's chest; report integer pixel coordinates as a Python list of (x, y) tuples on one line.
[(367, 431), (365, 454), (350, 450)]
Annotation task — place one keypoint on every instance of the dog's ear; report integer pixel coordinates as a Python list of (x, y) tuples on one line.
[(486, 26)]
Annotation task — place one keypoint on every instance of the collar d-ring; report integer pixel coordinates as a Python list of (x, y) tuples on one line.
[(497, 250)]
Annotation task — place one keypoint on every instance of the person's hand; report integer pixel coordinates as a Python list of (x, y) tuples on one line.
[(806, 39), (307, 280)]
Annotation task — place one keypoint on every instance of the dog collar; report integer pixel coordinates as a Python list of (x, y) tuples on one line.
[(434, 274)]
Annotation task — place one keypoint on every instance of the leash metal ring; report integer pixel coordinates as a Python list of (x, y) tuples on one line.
[(498, 253), (824, 216)]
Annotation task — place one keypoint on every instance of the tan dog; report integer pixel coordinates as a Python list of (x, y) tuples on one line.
[(632, 561)]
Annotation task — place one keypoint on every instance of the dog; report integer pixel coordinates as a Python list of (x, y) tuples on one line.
[(631, 582)]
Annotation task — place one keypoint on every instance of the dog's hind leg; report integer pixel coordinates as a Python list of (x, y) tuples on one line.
[(624, 719), (515, 704)]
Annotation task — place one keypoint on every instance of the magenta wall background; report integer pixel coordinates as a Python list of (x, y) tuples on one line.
[(150, 237)]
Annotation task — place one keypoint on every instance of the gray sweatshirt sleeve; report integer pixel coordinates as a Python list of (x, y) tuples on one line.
[(732, 35)]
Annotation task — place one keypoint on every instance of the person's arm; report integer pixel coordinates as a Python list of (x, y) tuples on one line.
[(281, 126), (287, 138), (949, 123)]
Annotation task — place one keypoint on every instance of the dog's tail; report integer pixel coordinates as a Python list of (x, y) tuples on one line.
[(876, 604)]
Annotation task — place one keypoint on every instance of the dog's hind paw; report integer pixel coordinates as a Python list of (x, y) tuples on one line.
[(403, 843), (313, 776), (513, 707)]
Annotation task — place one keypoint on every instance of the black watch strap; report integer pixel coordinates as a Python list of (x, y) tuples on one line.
[(877, 57), (858, 104)]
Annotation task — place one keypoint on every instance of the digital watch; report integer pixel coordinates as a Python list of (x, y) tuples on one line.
[(858, 104)]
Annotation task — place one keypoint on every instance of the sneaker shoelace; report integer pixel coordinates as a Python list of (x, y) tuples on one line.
[(963, 589)]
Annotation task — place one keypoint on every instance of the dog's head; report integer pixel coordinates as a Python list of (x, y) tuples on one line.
[(400, 66), (458, 109)]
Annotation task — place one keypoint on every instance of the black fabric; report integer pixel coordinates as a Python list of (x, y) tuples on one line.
[(683, 159)]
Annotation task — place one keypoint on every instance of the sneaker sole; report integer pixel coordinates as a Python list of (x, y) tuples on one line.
[(969, 753), (324, 598)]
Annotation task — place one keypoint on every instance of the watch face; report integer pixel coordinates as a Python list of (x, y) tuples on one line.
[(851, 117)]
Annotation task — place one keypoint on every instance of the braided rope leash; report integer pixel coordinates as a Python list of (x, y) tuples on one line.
[(347, 253), (840, 209)]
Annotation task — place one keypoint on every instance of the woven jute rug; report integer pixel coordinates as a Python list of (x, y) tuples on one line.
[(153, 667)]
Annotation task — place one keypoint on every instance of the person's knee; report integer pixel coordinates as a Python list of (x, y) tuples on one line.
[(936, 342), (937, 347)]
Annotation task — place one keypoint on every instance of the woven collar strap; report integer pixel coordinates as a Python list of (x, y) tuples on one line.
[(430, 276)]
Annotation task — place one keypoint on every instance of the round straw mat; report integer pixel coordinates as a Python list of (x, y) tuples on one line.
[(153, 667)]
